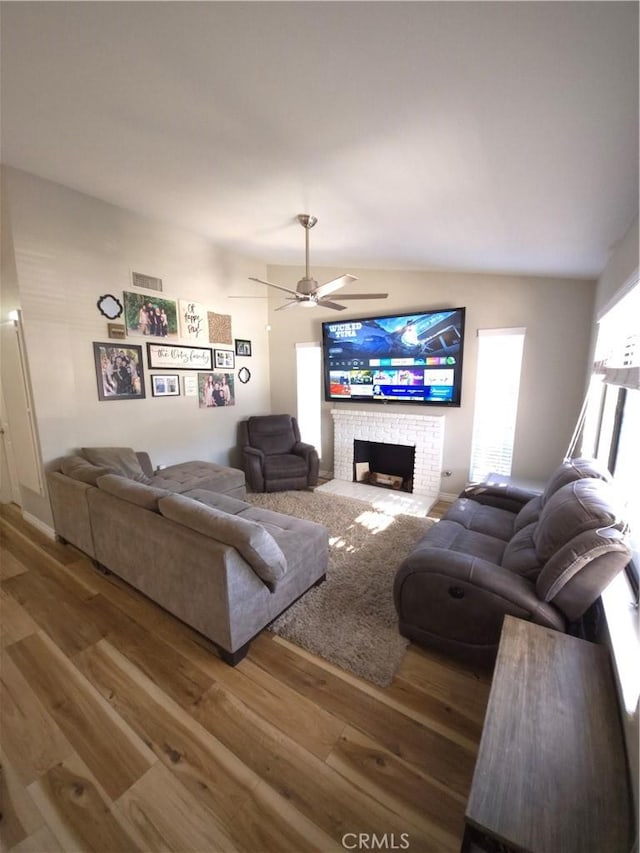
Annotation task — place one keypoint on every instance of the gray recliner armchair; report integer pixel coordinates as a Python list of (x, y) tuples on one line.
[(495, 552), (273, 456)]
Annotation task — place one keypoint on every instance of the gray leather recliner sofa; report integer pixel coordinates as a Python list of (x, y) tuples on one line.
[(545, 558)]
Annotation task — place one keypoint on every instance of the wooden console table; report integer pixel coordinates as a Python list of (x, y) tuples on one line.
[(551, 774)]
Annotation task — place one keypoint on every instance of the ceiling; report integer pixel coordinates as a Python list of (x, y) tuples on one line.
[(423, 135)]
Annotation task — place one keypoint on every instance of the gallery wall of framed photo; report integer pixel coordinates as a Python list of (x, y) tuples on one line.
[(163, 324), (95, 356)]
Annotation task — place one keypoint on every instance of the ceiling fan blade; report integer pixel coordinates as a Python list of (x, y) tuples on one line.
[(271, 284), (291, 304), (333, 285), (327, 304), (363, 295)]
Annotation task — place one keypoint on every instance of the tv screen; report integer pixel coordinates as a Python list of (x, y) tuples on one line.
[(399, 358)]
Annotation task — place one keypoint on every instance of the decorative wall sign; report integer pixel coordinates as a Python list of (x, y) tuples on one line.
[(119, 372), (165, 385), (150, 316), (215, 390), (220, 328), (224, 359), (190, 384), (243, 347), (178, 357), (109, 306), (244, 375), (117, 330), (193, 321)]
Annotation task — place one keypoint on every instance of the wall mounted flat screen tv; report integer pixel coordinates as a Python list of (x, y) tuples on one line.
[(398, 358)]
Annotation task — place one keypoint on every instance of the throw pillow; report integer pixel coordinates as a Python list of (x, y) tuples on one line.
[(119, 460), (80, 469)]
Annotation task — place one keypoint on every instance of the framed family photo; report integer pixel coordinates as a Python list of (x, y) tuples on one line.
[(215, 390), (119, 372), (150, 316), (243, 347), (165, 385), (224, 359)]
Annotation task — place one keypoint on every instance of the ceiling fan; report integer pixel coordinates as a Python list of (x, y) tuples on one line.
[(308, 292)]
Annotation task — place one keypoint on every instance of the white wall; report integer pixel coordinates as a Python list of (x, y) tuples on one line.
[(69, 250), (556, 313), (620, 271)]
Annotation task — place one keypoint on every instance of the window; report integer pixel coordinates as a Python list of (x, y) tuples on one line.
[(309, 387), (496, 405), (612, 416)]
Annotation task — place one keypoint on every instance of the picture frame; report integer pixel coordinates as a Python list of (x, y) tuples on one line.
[(193, 321), (216, 390), (109, 306), (150, 316), (243, 347), (244, 375), (224, 359), (119, 371), (178, 357), (165, 385)]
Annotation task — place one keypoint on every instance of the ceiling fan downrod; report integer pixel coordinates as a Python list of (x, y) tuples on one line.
[(307, 223)]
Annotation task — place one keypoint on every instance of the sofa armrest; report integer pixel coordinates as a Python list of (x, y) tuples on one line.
[(145, 462), (310, 455), (454, 577), (253, 460), (300, 448), (499, 495)]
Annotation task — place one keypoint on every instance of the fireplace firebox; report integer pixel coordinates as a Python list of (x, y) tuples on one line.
[(385, 465)]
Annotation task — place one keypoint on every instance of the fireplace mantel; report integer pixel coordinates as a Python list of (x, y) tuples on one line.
[(424, 432)]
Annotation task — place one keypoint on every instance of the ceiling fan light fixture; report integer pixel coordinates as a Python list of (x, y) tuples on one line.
[(308, 292)]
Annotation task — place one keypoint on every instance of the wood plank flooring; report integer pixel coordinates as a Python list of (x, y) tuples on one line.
[(121, 729)]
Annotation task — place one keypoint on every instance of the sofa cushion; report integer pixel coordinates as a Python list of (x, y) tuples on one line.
[(454, 537), (128, 490), (596, 551), (119, 460), (272, 433), (571, 470), (581, 505), (251, 540), (185, 476), (225, 503), (529, 513), (484, 519), (520, 554), (79, 468), (282, 465)]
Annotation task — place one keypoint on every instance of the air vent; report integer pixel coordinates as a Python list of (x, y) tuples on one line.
[(149, 282)]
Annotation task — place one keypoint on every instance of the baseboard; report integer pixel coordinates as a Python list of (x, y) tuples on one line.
[(447, 496), (39, 525), (325, 475)]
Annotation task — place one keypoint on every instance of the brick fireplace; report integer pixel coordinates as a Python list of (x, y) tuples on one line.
[(424, 432)]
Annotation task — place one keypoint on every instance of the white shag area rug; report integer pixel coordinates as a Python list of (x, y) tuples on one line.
[(350, 619)]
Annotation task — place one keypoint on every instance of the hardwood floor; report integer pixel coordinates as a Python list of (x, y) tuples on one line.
[(122, 730)]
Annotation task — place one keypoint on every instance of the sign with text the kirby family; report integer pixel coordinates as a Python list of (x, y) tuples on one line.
[(178, 357)]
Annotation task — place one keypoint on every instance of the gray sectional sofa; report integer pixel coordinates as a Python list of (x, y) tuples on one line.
[(184, 537), (501, 550)]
